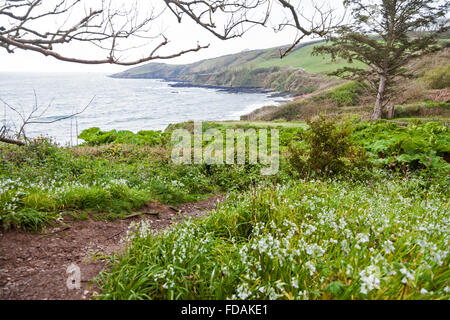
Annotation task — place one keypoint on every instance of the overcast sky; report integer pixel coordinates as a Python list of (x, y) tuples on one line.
[(181, 36)]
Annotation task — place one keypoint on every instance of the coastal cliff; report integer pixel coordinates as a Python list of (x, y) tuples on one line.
[(299, 73)]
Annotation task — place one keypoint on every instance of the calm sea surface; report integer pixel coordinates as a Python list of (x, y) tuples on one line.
[(121, 104)]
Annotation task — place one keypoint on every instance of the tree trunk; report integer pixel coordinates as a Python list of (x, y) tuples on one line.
[(11, 141), (378, 109)]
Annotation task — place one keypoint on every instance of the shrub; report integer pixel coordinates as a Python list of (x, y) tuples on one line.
[(326, 150), (414, 147), (347, 94), (307, 89), (38, 151), (438, 78), (94, 136), (423, 109)]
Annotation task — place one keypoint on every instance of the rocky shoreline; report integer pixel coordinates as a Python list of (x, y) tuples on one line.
[(273, 94), (176, 83)]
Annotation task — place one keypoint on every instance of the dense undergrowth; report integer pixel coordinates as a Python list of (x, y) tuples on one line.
[(378, 235), (117, 172), (414, 147), (41, 182), (358, 210), (349, 94), (301, 240), (423, 109)]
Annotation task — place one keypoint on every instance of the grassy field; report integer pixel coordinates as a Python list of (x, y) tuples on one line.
[(262, 124), (302, 58)]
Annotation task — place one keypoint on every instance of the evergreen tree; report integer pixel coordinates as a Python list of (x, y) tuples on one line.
[(385, 35)]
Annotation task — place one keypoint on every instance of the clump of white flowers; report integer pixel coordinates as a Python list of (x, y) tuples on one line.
[(407, 275), (140, 229), (370, 279)]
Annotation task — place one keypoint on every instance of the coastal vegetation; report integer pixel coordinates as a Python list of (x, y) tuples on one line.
[(357, 210), (424, 94), (320, 239), (369, 220)]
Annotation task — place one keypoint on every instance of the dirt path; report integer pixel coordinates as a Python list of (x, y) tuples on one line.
[(33, 266)]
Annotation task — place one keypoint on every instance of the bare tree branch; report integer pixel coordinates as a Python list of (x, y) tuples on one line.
[(47, 26), (237, 16), (320, 23), (31, 118), (228, 19), (63, 117)]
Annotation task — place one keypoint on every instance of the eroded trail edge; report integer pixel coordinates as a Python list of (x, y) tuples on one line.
[(33, 266)]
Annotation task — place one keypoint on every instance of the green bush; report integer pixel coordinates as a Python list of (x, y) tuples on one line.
[(306, 90), (326, 150), (94, 137), (438, 78), (424, 109), (288, 112), (415, 147), (347, 94)]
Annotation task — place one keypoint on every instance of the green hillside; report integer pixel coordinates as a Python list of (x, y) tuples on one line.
[(299, 72), (423, 95), (303, 58)]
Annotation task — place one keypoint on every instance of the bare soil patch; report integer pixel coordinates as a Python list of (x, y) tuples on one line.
[(33, 266)]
